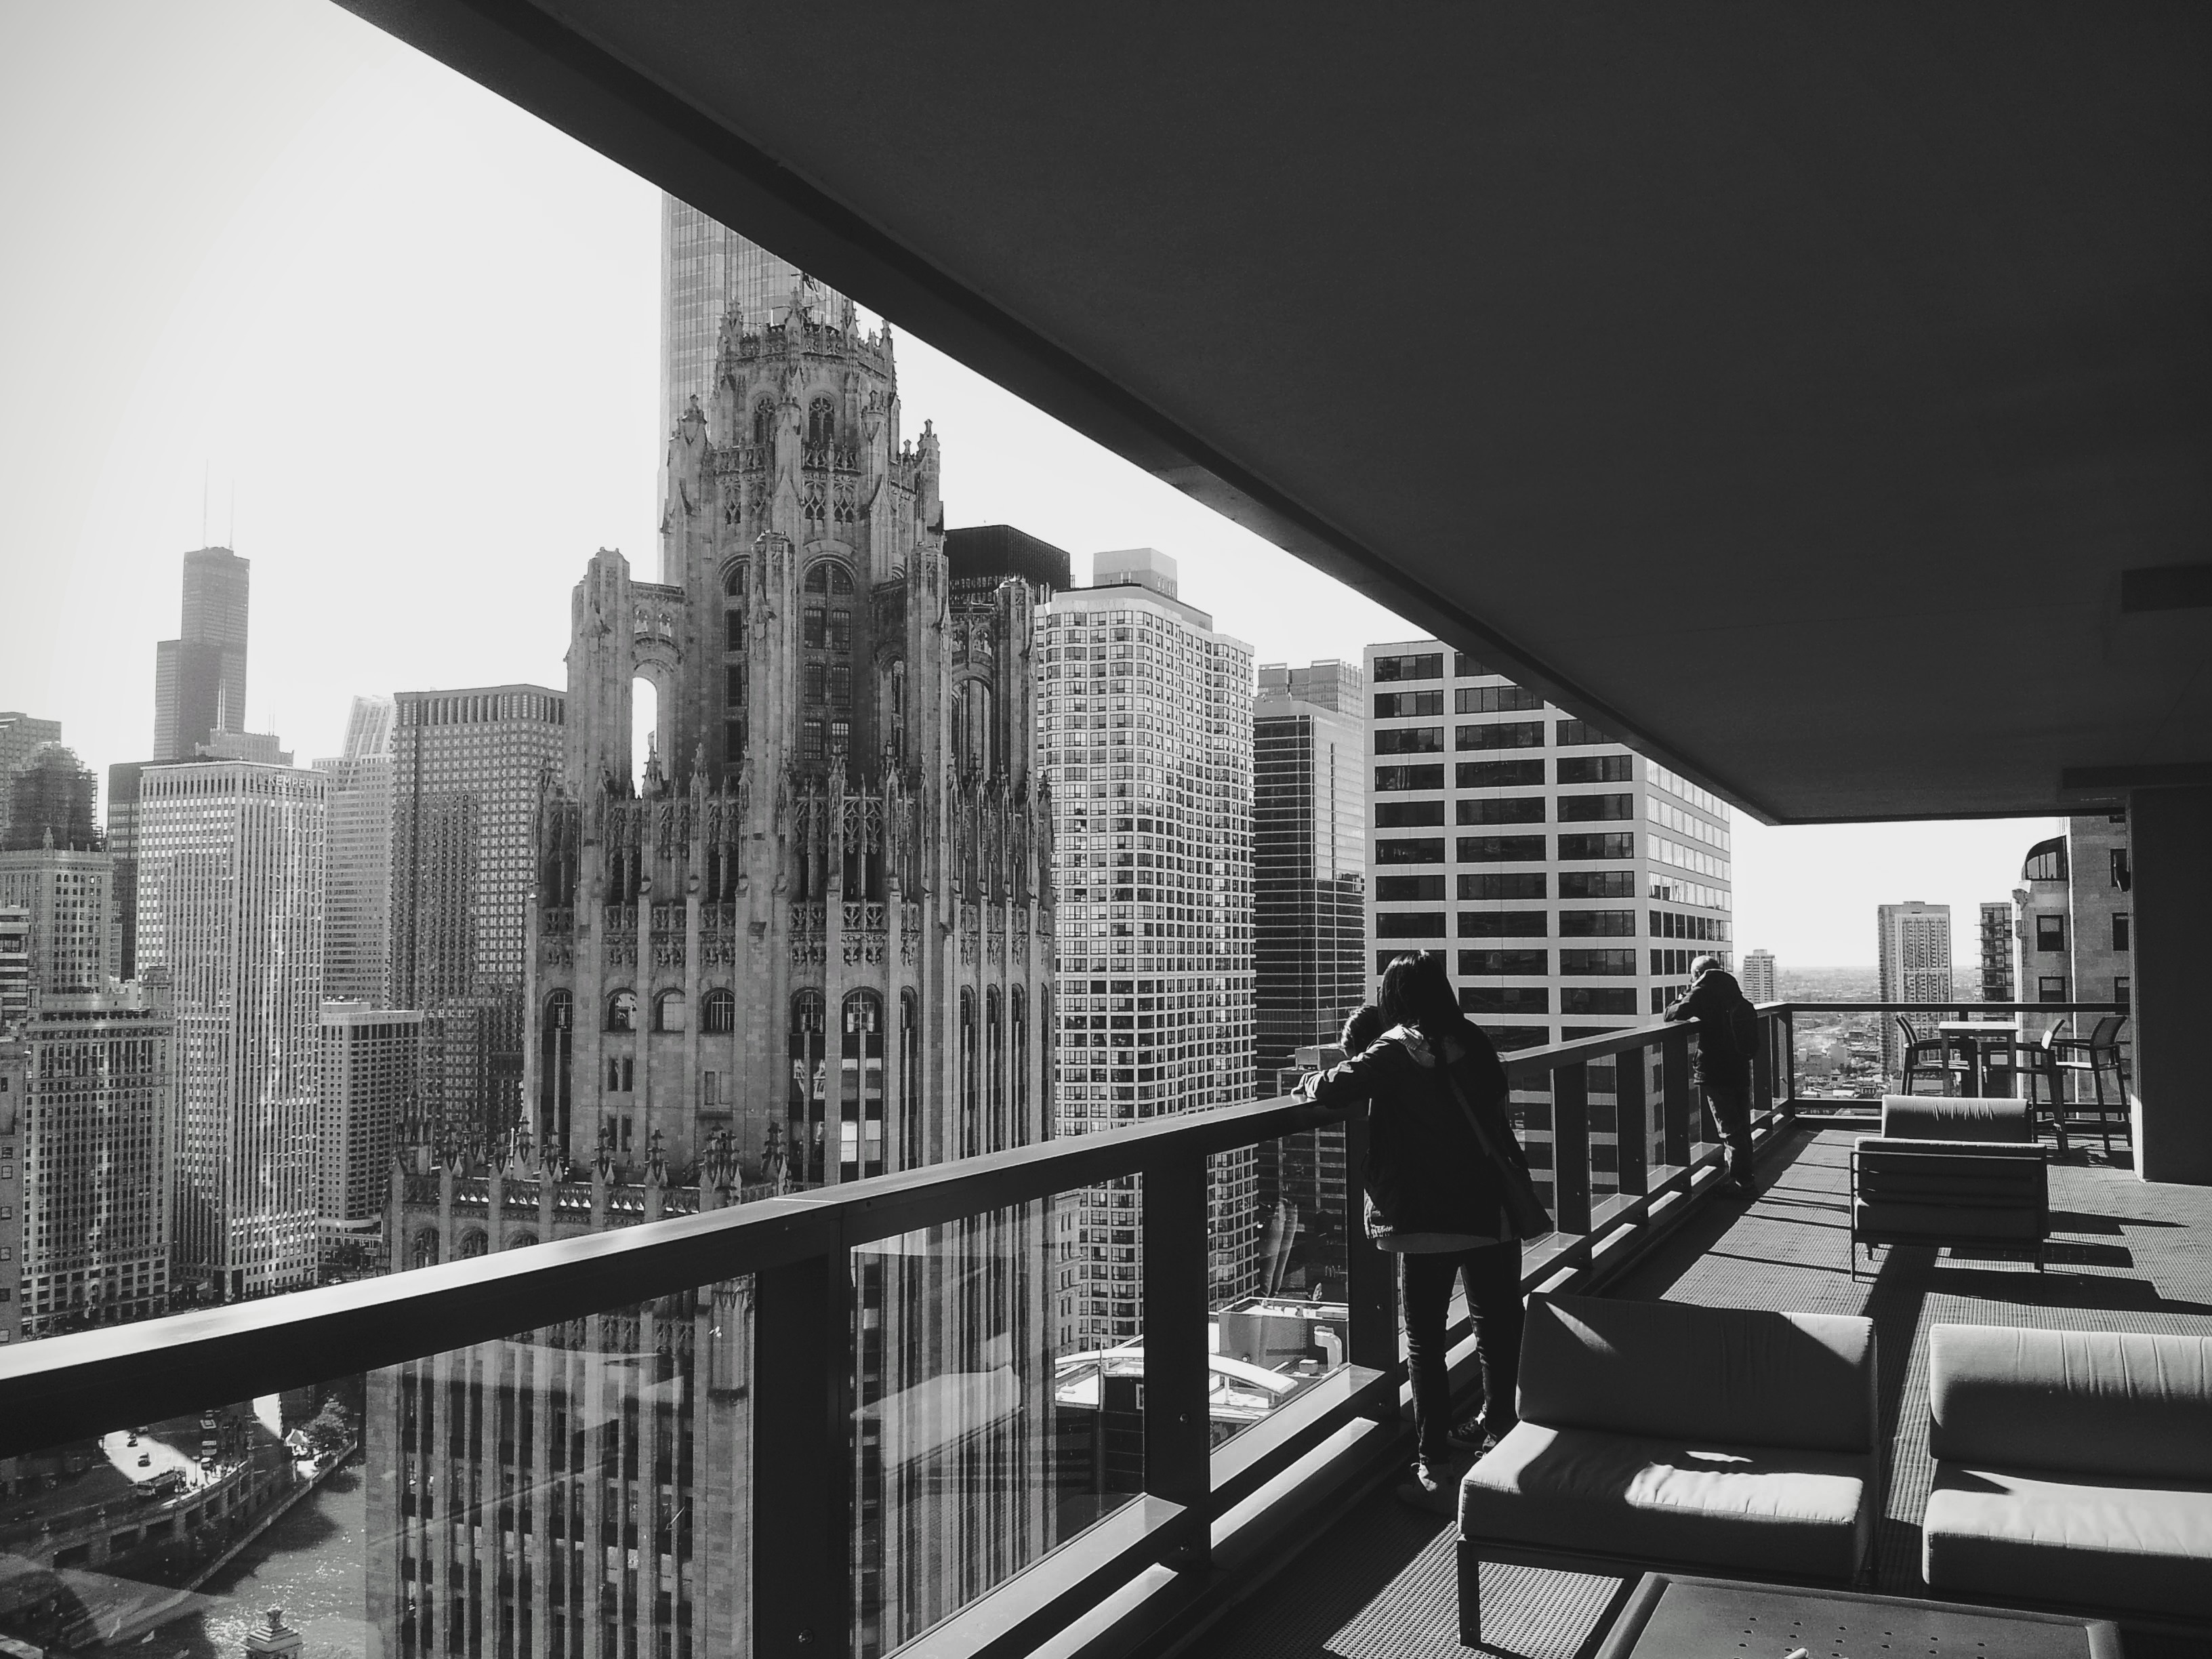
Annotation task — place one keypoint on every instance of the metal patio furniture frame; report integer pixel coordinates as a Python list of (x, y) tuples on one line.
[(2095, 1053), (1959, 1149)]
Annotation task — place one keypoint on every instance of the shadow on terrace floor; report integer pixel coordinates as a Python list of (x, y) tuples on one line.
[(1378, 1583)]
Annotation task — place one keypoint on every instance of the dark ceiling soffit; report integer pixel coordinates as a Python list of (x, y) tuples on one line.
[(2165, 587), (567, 79), (2115, 782)]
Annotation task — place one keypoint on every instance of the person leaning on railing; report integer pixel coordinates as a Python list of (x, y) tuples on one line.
[(1728, 1030), (1448, 1192)]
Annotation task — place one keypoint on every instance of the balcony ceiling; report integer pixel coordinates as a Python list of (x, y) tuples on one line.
[(1785, 386)]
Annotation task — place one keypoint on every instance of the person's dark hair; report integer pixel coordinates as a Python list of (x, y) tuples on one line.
[(1361, 1028), (1417, 992)]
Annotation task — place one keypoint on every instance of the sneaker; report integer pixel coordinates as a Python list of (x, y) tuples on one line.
[(1429, 1487)]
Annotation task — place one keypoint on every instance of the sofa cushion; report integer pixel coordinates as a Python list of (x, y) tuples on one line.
[(1687, 1503), (1941, 1117), (2124, 1545), (2085, 1402), (1675, 1371)]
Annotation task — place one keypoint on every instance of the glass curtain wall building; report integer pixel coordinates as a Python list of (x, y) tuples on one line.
[(1147, 733), (1569, 881), (357, 910)]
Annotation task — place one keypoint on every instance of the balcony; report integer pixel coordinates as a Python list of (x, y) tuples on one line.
[(574, 1414)]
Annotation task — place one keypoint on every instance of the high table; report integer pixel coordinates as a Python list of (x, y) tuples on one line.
[(1977, 1037), (1669, 1616)]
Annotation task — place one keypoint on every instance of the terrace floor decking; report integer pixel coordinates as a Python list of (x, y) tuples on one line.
[(1379, 1582)]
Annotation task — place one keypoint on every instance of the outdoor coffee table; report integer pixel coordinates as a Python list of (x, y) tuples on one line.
[(1669, 1616)]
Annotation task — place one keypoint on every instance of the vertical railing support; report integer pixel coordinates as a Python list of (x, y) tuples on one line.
[(1762, 1065), (1790, 1061), (1570, 1171), (800, 1463), (1178, 1465), (1676, 1106), (1632, 1121), (1372, 1282)]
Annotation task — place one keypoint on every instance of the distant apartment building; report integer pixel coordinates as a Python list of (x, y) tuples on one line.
[(467, 768), (1996, 942), (357, 901), (1147, 735), (1756, 975), (68, 898), (1569, 882), (86, 1141), (1913, 957), (370, 1057), (199, 677), (230, 929)]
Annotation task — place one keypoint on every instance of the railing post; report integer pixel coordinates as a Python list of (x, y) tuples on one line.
[(1631, 1122), (1371, 1282), (1762, 1067), (1570, 1174), (1789, 1060), (1178, 1464), (1675, 1104), (799, 1464)]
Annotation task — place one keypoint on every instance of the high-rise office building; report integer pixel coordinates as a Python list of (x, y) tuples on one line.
[(1309, 859), (51, 799), (15, 963), (469, 768), (123, 850), (1756, 975), (706, 268), (369, 1058), (1147, 715), (357, 908), (1998, 951), (808, 939), (20, 737), (199, 677), (981, 556), (1570, 881), (88, 1099), (70, 898), (230, 924), (1914, 956)]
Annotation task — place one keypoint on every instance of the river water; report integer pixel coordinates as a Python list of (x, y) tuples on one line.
[(312, 1563)]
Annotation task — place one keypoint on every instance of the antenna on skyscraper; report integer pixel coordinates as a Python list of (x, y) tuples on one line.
[(230, 536), (203, 490)]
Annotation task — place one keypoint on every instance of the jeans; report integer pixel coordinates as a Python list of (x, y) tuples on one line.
[(1492, 1272), (1730, 1105)]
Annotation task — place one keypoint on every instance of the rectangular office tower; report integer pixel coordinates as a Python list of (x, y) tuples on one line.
[(1913, 950), (199, 677), (1309, 859), (68, 898), (467, 769), (357, 906), (1147, 715), (230, 921), (1570, 882), (369, 1081), (86, 1098)]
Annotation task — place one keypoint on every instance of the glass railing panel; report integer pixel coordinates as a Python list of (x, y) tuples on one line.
[(1529, 1104), (998, 1401)]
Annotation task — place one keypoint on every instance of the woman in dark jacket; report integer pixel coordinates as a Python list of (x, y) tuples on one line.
[(1448, 1190)]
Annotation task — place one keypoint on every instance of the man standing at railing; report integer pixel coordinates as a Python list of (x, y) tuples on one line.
[(1728, 1032)]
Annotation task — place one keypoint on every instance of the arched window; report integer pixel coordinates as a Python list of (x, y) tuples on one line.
[(825, 634), (522, 1241), (555, 1054), (424, 1251), (671, 1013), (764, 422), (474, 1243), (861, 1090), (718, 1012), (913, 1150), (975, 734), (968, 1126), (1017, 1062), (622, 1012), (804, 1108), (994, 1044), (821, 424)]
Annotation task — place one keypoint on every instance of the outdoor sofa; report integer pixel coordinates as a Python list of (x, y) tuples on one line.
[(1659, 1434)]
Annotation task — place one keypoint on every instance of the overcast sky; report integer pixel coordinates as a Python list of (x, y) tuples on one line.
[(275, 281)]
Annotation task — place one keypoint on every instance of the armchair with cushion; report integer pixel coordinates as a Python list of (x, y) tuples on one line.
[(1658, 1434), (1907, 1191), (2073, 1468)]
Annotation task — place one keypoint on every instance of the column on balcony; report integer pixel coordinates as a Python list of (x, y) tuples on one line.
[(2170, 833)]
